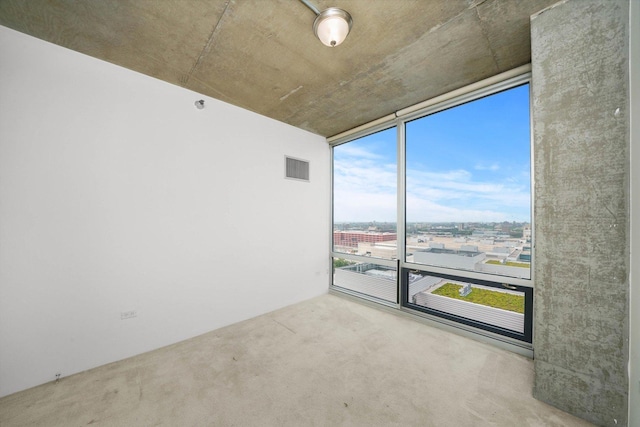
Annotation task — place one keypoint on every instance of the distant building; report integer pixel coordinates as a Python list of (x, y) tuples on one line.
[(525, 255), (489, 234), (352, 238), (461, 259), (378, 250)]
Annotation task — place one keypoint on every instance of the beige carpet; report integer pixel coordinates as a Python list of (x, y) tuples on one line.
[(324, 362)]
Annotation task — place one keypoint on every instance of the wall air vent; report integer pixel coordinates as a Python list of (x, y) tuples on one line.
[(296, 169)]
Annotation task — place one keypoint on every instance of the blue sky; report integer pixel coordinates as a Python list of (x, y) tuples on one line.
[(466, 164)]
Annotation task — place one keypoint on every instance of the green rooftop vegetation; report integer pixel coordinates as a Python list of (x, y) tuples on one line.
[(509, 263), (340, 262), (495, 299)]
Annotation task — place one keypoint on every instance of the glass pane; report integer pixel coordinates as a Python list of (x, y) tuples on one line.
[(366, 278), (468, 184), (503, 308), (364, 196)]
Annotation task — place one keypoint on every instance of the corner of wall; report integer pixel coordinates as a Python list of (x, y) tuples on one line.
[(134, 220)]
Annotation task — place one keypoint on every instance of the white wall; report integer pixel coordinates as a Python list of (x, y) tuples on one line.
[(634, 280), (117, 194)]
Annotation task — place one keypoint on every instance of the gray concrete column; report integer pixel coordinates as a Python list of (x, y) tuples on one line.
[(580, 85), (634, 276)]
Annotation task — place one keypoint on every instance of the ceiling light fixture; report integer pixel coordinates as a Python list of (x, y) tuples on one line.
[(331, 25)]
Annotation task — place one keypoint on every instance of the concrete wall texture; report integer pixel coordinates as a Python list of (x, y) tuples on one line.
[(581, 155), (634, 297)]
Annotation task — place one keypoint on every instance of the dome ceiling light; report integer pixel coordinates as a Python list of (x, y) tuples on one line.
[(332, 25)]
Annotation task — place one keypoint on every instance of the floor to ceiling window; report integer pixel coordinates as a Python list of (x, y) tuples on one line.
[(364, 215), (468, 212), (461, 250)]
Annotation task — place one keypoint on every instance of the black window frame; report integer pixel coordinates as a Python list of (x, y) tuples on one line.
[(526, 336)]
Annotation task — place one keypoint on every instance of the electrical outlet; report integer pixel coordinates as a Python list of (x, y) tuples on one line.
[(128, 314)]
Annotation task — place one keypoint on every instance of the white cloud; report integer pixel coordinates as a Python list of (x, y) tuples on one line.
[(456, 196), (365, 190), (483, 167), (419, 210), (356, 152)]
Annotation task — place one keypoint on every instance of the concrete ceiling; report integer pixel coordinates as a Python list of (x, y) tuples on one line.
[(262, 55)]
